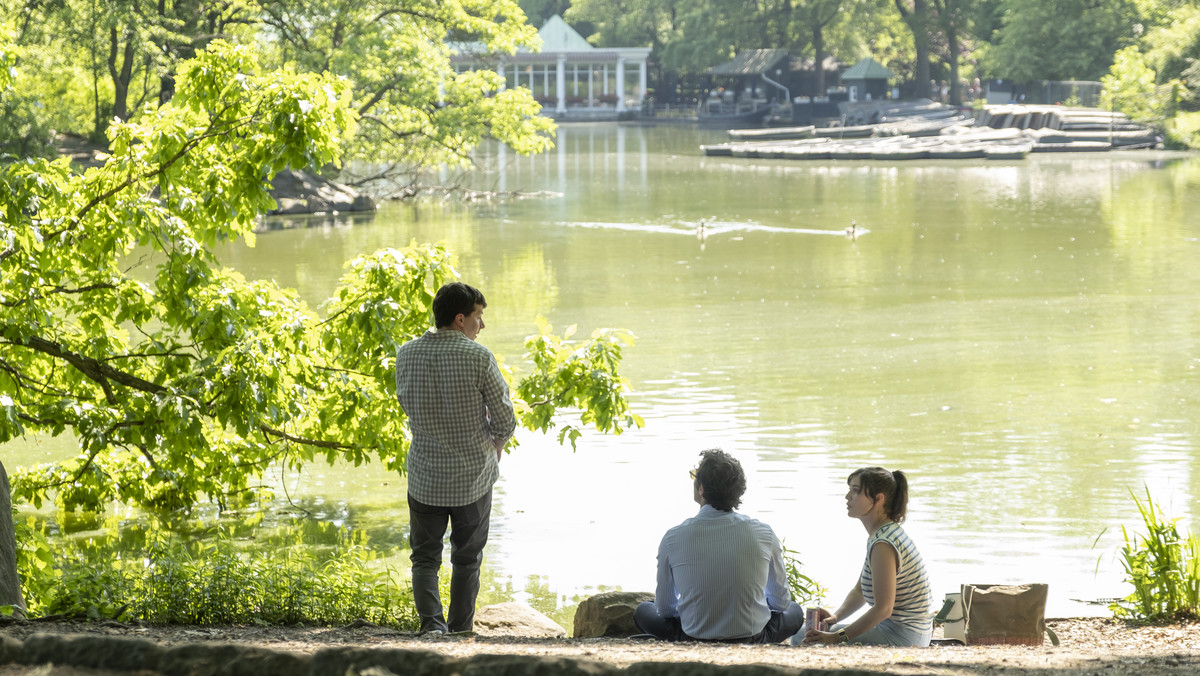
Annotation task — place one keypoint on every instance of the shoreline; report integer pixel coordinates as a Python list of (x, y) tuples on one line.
[(71, 648)]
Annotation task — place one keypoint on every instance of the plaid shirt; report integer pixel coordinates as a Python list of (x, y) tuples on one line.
[(460, 414)]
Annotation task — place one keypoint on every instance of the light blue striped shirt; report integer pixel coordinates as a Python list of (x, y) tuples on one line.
[(914, 596), (721, 573)]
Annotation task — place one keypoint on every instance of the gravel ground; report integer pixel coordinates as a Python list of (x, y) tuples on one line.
[(1089, 646)]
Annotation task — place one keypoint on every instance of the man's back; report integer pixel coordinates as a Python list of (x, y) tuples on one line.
[(721, 563), (458, 406)]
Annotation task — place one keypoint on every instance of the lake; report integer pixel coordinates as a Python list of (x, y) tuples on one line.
[(1020, 337)]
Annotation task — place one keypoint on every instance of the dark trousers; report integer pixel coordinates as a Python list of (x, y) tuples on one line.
[(781, 625), (468, 534)]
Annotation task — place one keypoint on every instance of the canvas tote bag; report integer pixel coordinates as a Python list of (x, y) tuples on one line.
[(1005, 614)]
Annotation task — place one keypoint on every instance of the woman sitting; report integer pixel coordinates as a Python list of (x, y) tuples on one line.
[(894, 585)]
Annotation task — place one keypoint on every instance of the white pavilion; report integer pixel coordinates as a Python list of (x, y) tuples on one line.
[(569, 76)]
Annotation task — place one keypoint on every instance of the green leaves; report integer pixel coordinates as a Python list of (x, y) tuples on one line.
[(578, 376)]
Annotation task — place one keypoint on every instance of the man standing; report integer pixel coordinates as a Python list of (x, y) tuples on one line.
[(461, 417), (720, 574)]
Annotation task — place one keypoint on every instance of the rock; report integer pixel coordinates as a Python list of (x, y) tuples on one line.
[(11, 650), (10, 584), (344, 660), (702, 669), (515, 619), (609, 614), (298, 192), (530, 665), (202, 659), (116, 653)]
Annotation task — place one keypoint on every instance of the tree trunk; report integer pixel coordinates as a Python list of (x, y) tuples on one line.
[(10, 584), (955, 86), (121, 78), (917, 20), (819, 58)]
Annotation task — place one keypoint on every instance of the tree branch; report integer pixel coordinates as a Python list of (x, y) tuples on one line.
[(270, 431), (92, 368)]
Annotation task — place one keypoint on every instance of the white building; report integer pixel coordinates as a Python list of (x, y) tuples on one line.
[(569, 76)]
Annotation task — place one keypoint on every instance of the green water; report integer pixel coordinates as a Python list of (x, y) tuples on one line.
[(1019, 336)]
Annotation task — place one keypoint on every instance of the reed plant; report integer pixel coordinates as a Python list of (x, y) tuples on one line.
[(805, 590), (1163, 565)]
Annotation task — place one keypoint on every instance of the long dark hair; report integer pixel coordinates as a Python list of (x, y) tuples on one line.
[(892, 485)]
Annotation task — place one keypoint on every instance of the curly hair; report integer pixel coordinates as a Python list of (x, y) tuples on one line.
[(722, 478)]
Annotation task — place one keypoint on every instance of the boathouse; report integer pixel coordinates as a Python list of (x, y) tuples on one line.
[(569, 76), (867, 80)]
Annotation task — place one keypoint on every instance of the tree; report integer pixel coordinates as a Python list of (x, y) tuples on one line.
[(180, 378), (816, 16), (1071, 39), (540, 10), (10, 586), (416, 110), (917, 15), (954, 22), (1130, 87), (1172, 48)]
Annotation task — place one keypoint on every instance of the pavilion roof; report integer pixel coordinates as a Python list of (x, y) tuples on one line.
[(867, 69), (750, 62)]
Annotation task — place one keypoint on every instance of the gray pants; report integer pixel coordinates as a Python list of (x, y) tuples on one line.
[(468, 534)]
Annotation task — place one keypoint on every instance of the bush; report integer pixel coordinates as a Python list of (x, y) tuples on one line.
[(1163, 566), (1183, 132), (214, 582)]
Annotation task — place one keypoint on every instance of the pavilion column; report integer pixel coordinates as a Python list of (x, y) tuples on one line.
[(642, 79), (560, 86), (620, 84)]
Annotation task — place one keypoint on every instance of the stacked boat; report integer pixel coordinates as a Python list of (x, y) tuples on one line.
[(991, 144), (1000, 133)]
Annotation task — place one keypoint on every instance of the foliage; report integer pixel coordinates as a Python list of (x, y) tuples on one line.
[(1130, 88), (582, 377), (94, 62), (170, 580), (1173, 43), (805, 590), (1183, 131), (1163, 565), (1066, 40), (416, 110), (1172, 49), (22, 131), (179, 377)]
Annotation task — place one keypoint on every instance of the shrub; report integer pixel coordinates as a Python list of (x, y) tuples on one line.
[(212, 581)]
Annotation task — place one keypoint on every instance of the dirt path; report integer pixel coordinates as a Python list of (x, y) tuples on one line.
[(1089, 646)]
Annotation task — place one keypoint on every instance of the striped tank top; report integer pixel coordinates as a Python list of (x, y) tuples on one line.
[(914, 596)]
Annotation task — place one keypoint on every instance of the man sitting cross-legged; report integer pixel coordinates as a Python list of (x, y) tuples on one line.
[(720, 574)]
